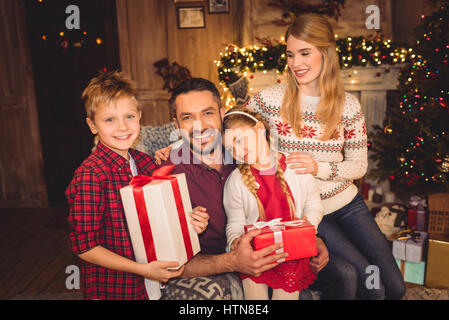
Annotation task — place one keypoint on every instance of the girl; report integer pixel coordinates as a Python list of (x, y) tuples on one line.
[(313, 114), (262, 188)]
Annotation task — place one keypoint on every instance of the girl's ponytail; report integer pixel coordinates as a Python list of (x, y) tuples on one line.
[(250, 182)]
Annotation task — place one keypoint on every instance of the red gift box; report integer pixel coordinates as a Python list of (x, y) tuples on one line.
[(417, 214), (298, 237)]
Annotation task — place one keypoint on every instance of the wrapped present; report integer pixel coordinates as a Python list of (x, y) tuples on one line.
[(417, 214), (156, 210), (409, 245), (412, 272), (438, 213), (385, 219), (437, 274), (298, 237), (401, 215), (365, 189)]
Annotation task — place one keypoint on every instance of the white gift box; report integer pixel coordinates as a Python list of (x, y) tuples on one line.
[(409, 250), (164, 221)]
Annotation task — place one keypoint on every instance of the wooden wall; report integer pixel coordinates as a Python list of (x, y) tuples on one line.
[(258, 17), (21, 164), (148, 31)]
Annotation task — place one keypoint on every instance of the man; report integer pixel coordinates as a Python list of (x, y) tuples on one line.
[(197, 113)]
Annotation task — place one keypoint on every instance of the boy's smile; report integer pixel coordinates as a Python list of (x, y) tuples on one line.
[(117, 126)]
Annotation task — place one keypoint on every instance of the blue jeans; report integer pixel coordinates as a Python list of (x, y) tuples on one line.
[(351, 234)]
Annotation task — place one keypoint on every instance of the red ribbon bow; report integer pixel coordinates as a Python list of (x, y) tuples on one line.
[(138, 182)]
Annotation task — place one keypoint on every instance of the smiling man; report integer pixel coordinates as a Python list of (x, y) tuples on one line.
[(197, 112), (198, 116)]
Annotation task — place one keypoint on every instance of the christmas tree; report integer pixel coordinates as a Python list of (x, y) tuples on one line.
[(412, 148)]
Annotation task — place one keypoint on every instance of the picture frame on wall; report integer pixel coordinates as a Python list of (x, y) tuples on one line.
[(191, 17), (218, 6)]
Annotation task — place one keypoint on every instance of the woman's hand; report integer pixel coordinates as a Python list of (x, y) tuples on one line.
[(303, 163), (160, 270), (162, 155), (200, 219), (320, 261)]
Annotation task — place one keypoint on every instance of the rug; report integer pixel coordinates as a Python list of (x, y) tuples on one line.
[(412, 293)]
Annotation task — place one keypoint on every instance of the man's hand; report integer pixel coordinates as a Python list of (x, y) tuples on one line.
[(251, 262), (319, 262)]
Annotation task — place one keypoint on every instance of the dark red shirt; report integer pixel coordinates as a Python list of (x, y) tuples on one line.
[(205, 189), (97, 218)]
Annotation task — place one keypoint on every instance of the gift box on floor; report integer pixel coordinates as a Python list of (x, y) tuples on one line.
[(439, 213), (417, 214), (412, 272), (437, 274), (411, 249), (298, 237), (156, 210)]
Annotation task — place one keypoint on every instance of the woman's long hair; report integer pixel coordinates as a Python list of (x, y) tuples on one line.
[(233, 121), (317, 31)]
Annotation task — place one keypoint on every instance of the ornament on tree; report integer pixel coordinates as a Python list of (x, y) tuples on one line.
[(401, 159), (444, 166)]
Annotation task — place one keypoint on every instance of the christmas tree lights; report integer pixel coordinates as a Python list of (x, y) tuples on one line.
[(415, 148)]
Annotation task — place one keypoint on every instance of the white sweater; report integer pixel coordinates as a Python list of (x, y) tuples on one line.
[(241, 206), (341, 160)]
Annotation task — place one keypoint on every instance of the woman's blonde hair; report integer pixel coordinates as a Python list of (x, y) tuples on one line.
[(235, 120), (317, 31)]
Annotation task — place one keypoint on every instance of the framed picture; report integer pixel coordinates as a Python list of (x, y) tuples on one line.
[(191, 17), (218, 6)]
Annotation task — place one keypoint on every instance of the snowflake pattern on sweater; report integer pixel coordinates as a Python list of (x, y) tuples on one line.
[(341, 159)]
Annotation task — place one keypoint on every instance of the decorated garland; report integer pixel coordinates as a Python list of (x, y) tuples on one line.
[(235, 62)]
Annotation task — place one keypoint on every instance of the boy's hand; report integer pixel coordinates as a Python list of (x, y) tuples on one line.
[(158, 270), (162, 155), (200, 219)]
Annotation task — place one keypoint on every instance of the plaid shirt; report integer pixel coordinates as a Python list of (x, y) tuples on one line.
[(97, 218)]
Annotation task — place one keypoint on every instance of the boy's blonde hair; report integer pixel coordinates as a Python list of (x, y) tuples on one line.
[(108, 88), (316, 30), (236, 120)]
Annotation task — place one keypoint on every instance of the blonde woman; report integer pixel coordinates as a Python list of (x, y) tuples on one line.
[(262, 189), (322, 128)]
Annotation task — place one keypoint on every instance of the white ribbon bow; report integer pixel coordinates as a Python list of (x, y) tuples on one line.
[(276, 223), (415, 201)]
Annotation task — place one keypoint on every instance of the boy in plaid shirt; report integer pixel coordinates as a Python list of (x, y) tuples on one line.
[(100, 235)]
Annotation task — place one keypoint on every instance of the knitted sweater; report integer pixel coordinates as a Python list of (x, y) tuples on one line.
[(341, 159)]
